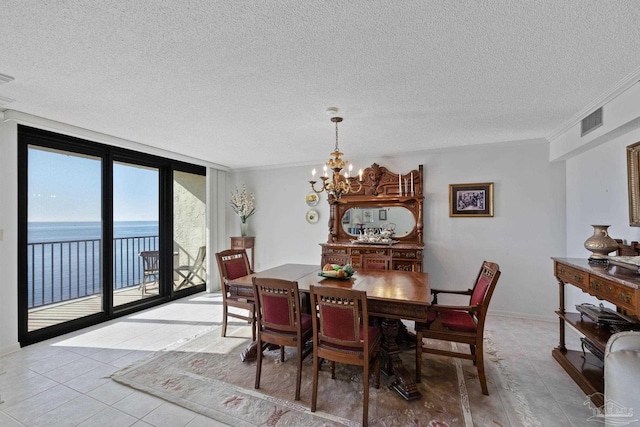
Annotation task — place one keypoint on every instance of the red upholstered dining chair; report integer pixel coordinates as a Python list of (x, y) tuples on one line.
[(375, 262), (341, 333), (462, 324), (281, 322), (234, 263)]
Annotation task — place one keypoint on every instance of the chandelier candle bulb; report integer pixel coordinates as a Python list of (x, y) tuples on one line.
[(400, 184), (313, 173), (360, 174)]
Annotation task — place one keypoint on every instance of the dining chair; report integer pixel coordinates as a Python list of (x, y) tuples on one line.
[(341, 333), (150, 268), (461, 324), (376, 262), (281, 322), (234, 263), (190, 273)]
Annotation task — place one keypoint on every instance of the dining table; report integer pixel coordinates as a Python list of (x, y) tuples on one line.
[(392, 296)]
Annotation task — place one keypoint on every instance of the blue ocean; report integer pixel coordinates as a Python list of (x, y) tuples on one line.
[(64, 258), (58, 231)]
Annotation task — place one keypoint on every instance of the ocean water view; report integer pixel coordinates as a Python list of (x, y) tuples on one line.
[(39, 232), (64, 258)]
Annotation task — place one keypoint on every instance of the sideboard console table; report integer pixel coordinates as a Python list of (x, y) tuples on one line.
[(402, 256), (617, 286)]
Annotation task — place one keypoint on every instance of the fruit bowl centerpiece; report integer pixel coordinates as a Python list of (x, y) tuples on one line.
[(336, 271)]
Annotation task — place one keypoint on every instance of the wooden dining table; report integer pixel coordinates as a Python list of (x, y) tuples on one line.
[(391, 296)]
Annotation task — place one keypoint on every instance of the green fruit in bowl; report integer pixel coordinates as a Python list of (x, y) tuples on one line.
[(348, 269)]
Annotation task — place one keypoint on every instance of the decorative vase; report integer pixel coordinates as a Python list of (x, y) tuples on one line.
[(600, 243), (243, 229)]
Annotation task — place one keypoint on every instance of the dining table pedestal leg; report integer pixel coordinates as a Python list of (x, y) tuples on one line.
[(391, 364)]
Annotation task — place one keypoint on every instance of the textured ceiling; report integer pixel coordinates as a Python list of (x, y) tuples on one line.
[(246, 83)]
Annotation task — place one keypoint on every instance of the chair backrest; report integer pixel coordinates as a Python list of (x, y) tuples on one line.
[(340, 318), (233, 263), (198, 262), (375, 262), (277, 304), (335, 258), (484, 287), (150, 261)]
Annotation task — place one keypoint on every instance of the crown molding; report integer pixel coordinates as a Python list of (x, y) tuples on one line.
[(623, 85)]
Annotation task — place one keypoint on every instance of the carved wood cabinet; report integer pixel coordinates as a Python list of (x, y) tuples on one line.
[(405, 257), (386, 197), (619, 287)]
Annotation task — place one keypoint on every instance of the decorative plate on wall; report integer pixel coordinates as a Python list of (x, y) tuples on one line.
[(312, 216), (312, 199)]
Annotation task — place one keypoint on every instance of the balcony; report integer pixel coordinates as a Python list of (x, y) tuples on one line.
[(64, 280)]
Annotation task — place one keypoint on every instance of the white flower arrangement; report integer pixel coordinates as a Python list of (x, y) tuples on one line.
[(243, 203)]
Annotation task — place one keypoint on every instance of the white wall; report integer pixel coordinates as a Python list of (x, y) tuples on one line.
[(9, 242), (597, 193), (528, 227)]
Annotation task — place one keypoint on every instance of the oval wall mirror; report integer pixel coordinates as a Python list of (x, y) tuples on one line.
[(356, 220)]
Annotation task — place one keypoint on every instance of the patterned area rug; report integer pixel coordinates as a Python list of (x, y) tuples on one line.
[(205, 374)]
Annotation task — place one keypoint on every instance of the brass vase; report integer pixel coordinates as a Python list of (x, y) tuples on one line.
[(600, 243)]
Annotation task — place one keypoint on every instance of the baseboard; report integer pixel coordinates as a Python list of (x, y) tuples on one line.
[(550, 318), (9, 349)]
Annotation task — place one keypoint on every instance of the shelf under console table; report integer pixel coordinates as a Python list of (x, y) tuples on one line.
[(620, 287), (402, 256)]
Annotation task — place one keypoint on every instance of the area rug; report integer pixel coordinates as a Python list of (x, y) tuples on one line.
[(205, 374)]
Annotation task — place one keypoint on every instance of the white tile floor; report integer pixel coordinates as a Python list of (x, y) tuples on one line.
[(65, 381)]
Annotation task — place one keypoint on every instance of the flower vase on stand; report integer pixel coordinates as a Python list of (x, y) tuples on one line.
[(243, 229)]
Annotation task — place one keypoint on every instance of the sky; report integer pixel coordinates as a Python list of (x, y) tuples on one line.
[(65, 187)]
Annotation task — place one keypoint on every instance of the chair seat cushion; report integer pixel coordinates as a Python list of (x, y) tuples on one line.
[(306, 322), (458, 320)]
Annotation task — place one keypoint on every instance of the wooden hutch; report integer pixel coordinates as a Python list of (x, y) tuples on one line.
[(384, 196)]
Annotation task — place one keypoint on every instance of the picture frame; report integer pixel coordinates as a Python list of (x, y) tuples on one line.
[(382, 215), (633, 178), (471, 200)]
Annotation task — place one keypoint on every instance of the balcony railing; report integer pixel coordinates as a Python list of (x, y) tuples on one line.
[(70, 269)]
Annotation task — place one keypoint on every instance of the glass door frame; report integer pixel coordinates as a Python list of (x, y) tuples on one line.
[(28, 136)]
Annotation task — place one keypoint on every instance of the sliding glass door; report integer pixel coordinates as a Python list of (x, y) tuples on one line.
[(64, 237), (189, 230), (136, 233), (103, 232)]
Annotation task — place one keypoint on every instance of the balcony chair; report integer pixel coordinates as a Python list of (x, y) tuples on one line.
[(281, 322), (150, 268), (341, 333), (190, 272), (234, 263), (375, 262), (462, 324)]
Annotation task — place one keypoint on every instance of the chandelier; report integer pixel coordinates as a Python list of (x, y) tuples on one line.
[(338, 184)]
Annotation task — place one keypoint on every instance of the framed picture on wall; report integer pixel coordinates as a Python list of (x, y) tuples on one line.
[(471, 200), (633, 177), (382, 215)]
